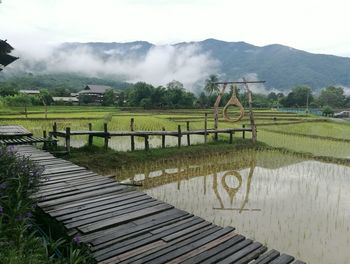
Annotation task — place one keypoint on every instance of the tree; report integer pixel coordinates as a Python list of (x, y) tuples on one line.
[(211, 85), (108, 98), (300, 96), (175, 85), (332, 96)]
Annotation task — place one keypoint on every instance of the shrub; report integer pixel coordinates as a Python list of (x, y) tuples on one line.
[(327, 111)]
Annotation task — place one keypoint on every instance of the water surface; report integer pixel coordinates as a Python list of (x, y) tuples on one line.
[(301, 207)]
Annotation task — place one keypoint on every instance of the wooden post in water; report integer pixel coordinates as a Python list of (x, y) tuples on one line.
[(205, 127), (163, 138), (91, 137), (105, 129), (179, 136), (243, 132), (54, 129), (188, 135), (132, 138), (68, 139), (146, 143)]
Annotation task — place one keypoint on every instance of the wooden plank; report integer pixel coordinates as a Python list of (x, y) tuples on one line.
[(203, 248), (75, 191), (131, 253), (215, 250), (119, 234), (253, 255), (241, 253), (90, 207), (124, 218), (267, 257), (283, 259), (299, 262), (130, 244), (80, 196), (176, 252), (112, 212), (108, 206), (227, 252), (185, 240)]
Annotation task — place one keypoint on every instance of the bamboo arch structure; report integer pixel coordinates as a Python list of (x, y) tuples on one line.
[(234, 101)]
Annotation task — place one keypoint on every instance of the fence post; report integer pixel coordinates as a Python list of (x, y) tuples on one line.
[(105, 135), (45, 136), (243, 132), (132, 138), (68, 139), (188, 135), (146, 143), (54, 129), (91, 137), (205, 128), (163, 138), (231, 136), (179, 136)]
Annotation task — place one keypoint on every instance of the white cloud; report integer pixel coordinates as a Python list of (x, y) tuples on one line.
[(162, 64)]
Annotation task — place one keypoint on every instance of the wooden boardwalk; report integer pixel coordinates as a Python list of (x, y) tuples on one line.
[(18, 135), (123, 225)]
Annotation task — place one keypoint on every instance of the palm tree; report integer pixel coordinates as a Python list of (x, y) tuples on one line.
[(211, 85)]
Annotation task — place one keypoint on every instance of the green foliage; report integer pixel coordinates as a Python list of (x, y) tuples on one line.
[(327, 111), (333, 97), (108, 98), (300, 96), (147, 96), (19, 238), (21, 100), (210, 84)]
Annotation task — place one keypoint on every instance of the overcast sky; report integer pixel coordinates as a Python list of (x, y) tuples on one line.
[(319, 26)]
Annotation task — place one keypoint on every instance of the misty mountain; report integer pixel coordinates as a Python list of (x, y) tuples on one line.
[(280, 66)]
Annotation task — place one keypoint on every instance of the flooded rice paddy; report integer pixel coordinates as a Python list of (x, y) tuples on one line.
[(297, 206)]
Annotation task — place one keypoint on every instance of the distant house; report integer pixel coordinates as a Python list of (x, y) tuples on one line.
[(29, 92), (93, 93), (65, 100)]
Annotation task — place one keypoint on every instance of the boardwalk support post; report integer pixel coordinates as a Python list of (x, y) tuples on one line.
[(243, 132), (179, 135)]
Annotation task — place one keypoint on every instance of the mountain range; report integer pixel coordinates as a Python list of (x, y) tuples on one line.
[(280, 66)]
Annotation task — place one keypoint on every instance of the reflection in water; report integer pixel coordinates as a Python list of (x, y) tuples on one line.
[(299, 207)]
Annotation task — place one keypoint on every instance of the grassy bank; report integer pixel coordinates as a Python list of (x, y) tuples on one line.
[(104, 161)]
